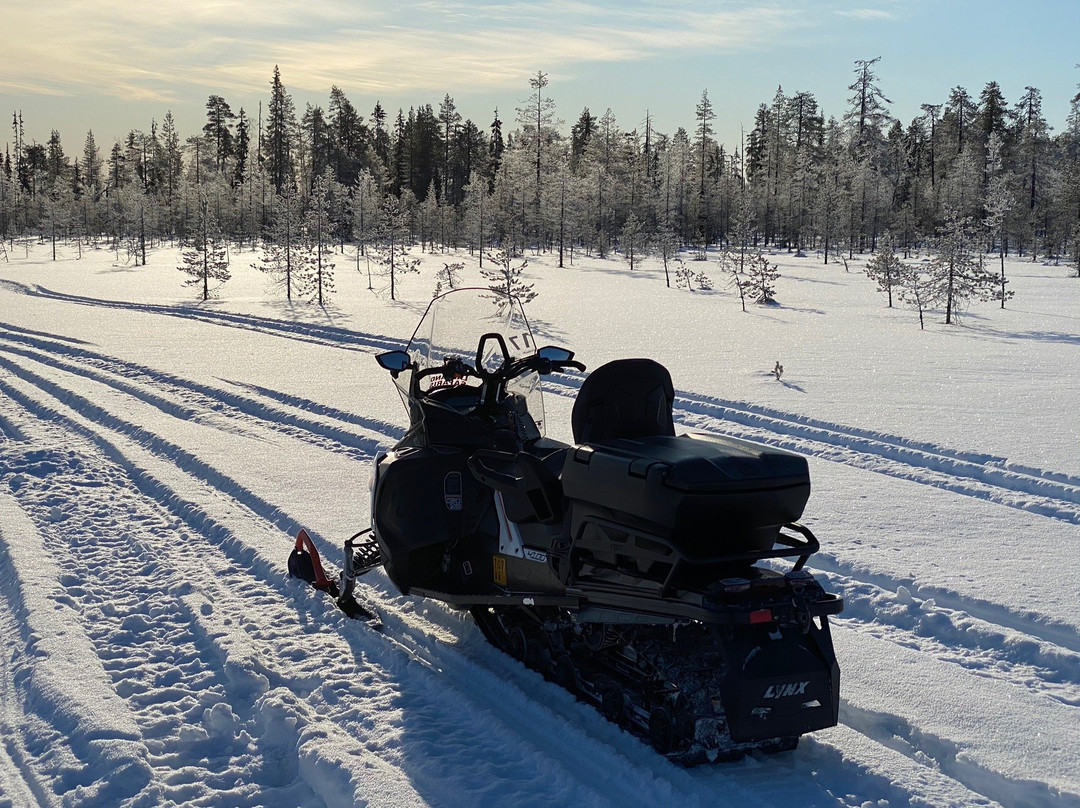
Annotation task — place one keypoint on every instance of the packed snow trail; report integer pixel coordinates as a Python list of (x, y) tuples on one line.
[(449, 649), (153, 464)]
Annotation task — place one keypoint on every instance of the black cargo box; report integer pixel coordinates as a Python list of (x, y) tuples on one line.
[(707, 495)]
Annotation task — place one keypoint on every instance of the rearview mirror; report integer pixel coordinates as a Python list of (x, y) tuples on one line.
[(553, 354), (394, 361)]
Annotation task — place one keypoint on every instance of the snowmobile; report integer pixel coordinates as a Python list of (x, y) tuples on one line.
[(660, 577)]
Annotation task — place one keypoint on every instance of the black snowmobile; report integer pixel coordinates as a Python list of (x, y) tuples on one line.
[(659, 576)]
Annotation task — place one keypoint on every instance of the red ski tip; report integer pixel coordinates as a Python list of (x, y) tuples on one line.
[(305, 546)]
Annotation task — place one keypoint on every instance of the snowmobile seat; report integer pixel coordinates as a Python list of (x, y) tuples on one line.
[(627, 398), (707, 495)]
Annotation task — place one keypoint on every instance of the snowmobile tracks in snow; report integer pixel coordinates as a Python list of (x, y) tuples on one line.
[(307, 332), (335, 699), (214, 638), (969, 473), (972, 474)]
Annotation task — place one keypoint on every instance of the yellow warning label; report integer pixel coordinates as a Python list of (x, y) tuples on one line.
[(500, 570)]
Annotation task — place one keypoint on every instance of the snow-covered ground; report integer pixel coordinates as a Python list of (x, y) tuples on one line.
[(157, 453)]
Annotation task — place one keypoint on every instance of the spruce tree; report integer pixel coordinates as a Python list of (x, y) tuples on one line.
[(278, 142), (205, 258), (885, 268), (956, 274), (504, 279)]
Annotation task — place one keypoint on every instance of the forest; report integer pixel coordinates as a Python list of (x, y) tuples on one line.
[(969, 176)]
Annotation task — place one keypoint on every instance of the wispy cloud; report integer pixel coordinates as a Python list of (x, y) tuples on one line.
[(158, 51), (867, 14)]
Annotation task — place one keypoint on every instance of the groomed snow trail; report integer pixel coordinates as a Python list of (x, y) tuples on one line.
[(158, 654), (234, 674)]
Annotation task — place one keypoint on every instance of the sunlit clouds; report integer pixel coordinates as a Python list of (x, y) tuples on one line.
[(162, 52)]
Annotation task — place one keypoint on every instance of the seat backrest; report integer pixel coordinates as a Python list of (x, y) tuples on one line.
[(627, 398)]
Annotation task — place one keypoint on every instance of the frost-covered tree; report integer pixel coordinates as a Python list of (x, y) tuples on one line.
[(633, 240), (57, 213), (733, 269), (867, 111), (762, 276), (281, 253), (956, 274), (476, 215), (503, 275), (449, 277), (885, 268), (999, 201), (316, 278), (537, 117), (206, 257), (391, 253), (916, 290), (364, 204), (667, 247)]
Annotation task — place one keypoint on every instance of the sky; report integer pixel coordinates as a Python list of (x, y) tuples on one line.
[(115, 65)]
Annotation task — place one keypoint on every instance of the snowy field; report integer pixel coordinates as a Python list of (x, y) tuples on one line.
[(157, 453)]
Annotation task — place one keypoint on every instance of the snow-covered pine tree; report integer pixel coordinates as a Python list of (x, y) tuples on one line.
[(762, 276), (449, 277), (316, 278), (281, 245), (392, 253), (885, 268), (504, 278), (956, 274), (206, 257)]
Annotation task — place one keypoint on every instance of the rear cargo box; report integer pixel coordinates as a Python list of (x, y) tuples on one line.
[(706, 495)]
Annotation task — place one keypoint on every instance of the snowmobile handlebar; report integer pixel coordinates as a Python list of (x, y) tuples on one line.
[(453, 368)]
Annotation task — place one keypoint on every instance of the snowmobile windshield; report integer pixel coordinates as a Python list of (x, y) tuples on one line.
[(453, 327)]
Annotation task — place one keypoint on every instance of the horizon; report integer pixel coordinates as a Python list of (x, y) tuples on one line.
[(79, 68)]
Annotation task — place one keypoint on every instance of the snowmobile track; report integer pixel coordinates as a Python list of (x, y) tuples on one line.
[(973, 474), (327, 335), (505, 703), (437, 653), (412, 635)]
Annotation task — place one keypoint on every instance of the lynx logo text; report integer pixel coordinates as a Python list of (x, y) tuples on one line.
[(789, 689)]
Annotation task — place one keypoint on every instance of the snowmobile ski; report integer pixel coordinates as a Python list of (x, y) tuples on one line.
[(306, 564)]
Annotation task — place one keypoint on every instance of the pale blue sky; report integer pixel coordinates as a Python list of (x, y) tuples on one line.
[(112, 66)]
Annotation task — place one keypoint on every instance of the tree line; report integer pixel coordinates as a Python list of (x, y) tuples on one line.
[(336, 179)]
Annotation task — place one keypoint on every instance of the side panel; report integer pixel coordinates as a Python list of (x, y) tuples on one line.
[(427, 507)]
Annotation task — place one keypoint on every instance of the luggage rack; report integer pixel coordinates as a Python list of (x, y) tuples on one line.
[(786, 545)]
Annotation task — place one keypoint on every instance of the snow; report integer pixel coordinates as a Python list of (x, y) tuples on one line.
[(157, 453)]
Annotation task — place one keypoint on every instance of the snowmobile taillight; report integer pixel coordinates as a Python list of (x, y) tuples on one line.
[(761, 616)]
